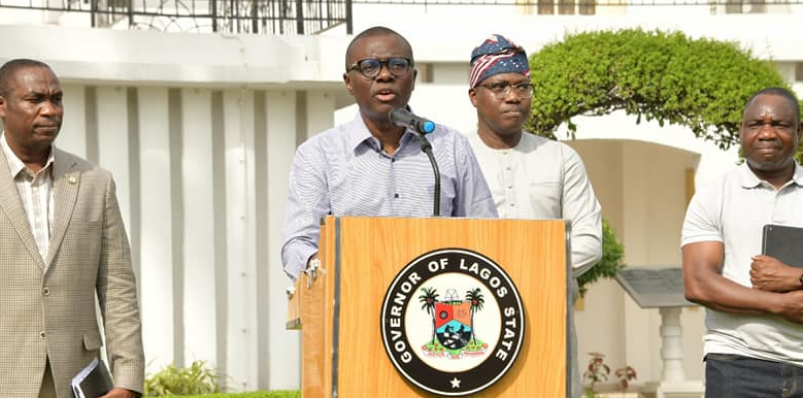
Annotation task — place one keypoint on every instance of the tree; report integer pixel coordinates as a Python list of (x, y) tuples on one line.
[(668, 77), (428, 300), (477, 300)]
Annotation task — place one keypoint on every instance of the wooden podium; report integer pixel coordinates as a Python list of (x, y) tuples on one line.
[(340, 312)]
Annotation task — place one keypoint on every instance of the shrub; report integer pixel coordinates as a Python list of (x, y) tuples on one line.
[(611, 262), (663, 76), (598, 372), (252, 394), (195, 380)]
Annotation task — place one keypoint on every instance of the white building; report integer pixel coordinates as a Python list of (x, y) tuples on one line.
[(200, 129)]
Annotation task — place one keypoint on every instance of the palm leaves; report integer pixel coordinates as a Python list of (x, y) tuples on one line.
[(428, 300), (477, 300)]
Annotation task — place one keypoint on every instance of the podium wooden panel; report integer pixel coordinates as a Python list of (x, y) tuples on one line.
[(340, 311)]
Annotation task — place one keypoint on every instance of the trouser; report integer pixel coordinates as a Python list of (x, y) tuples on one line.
[(729, 376), (48, 389)]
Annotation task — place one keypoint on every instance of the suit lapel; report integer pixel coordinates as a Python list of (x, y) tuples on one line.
[(65, 190), (11, 204)]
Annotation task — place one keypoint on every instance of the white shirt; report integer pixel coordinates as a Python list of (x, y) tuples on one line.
[(545, 179), (36, 194), (734, 210)]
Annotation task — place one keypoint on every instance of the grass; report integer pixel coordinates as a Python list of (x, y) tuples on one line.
[(252, 394)]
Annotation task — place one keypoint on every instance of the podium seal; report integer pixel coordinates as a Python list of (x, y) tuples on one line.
[(452, 322)]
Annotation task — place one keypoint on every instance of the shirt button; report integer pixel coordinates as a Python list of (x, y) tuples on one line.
[(45, 291), (512, 204), (42, 334), (508, 168)]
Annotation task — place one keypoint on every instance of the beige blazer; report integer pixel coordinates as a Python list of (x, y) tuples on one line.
[(47, 306)]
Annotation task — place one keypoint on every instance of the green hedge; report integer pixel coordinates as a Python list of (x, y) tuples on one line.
[(611, 262), (668, 77)]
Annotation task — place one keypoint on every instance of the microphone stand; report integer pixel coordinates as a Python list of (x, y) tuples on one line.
[(426, 147)]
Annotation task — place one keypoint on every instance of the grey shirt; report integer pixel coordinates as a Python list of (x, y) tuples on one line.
[(733, 210)]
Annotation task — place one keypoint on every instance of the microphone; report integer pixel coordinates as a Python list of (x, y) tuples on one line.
[(403, 117), (422, 126)]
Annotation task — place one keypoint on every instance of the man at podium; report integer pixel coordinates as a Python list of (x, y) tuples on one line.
[(369, 166), (530, 177)]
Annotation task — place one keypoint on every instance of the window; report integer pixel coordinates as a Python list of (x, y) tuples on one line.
[(587, 7), (425, 74), (568, 7), (565, 7), (733, 6), (799, 72), (546, 6), (745, 7)]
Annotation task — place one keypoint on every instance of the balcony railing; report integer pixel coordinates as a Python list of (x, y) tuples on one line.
[(308, 17), (597, 3), (232, 16)]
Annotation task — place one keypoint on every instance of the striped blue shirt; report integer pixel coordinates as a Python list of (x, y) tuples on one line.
[(343, 171)]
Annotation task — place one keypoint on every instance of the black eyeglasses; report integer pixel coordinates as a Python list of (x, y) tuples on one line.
[(370, 67), (501, 90)]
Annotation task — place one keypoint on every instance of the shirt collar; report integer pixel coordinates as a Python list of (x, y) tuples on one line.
[(748, 179), (358, 133), (15, 164)]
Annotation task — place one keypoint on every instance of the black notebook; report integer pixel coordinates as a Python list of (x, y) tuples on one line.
[(784, 243), (93, 381)]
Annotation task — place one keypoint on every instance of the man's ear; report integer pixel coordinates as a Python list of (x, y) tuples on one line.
[(472, 95), (799, 133), (3, 107), (347, 81)]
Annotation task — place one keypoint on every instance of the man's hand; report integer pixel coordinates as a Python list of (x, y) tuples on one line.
[(120, 393), (793, 306), (770, 274)]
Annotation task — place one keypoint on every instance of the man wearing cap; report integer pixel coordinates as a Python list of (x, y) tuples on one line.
[(530, 177), (371, 167)]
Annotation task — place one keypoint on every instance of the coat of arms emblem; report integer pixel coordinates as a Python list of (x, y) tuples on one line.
[(464, 331), (453, 332)]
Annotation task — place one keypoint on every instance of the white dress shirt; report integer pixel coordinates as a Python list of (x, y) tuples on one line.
[(36, 194), (545, 179)]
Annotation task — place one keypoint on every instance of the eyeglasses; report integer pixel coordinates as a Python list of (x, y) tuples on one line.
[(371, 67), (501, 90)]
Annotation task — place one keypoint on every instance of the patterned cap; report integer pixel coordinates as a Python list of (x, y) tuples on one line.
[(497, 55)]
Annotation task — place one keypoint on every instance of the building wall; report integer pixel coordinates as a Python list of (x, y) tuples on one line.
[(201, 153), (647, 180), (202, 176)]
